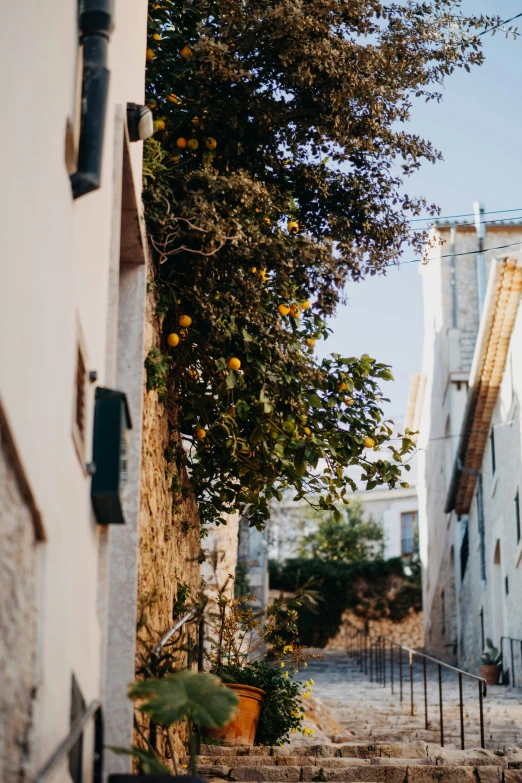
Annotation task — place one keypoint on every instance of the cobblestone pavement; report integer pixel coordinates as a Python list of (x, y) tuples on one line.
[(368, 712)]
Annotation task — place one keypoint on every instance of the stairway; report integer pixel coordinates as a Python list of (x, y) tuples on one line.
[(413, 762), (368, 712)]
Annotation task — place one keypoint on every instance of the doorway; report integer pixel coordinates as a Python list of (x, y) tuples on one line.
[(497, 597)]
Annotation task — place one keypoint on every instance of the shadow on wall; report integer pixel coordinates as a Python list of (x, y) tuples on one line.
[(490, 608)]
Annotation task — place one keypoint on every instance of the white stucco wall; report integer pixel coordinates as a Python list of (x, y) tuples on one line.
[(447, 357), (56, 257)]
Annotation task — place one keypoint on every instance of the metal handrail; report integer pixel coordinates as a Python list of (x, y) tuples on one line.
[(371, 656), (509, 639), (93, 711), (186, 617)]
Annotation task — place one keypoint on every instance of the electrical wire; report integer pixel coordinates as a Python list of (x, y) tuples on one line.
[(448, 255), (506, 21), (467, 214)]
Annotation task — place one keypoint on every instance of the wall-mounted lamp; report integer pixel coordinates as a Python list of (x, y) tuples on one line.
[(140, 122), (112, 423)]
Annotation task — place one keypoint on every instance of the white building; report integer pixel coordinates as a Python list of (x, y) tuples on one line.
[(395, 510), (470, 453), (72, 291)]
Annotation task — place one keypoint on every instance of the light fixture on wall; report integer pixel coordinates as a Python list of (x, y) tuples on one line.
[(112, 423), (140, 122)]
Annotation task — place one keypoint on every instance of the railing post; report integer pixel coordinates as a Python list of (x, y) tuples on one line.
[(400, 670), (371, 661), (481, 711), (201, 645), (384, 662), (441, 713), (461, 713), (512, 663), (411, 684), (391, 666), (425, 696)]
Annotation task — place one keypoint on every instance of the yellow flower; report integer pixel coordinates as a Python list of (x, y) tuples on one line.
[(282, 664), (287, 648), (305, 664), (306, 695), (263, 275), (285, 676), (294, 731), (312, 682), (253, 270)]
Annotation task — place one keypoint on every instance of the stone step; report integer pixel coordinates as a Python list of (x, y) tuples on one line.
[(369, 773)]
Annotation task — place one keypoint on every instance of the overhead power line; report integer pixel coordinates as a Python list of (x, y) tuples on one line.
[(467, 214), (500, 24), (453, 255)]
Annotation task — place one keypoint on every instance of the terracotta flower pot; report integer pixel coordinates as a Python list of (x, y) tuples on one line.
[(242, 728), (491, 674)]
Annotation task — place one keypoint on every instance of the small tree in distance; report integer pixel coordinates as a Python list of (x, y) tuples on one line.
[(354, 537)]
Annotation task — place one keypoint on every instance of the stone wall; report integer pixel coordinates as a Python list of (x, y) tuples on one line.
[(409, 632), (18, 624), (170, 544)]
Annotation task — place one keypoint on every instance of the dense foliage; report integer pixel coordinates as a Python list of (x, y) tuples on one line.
[(275, 177), (371, 589), (352, 537)]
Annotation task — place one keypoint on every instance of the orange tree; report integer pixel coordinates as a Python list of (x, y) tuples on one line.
[(274, 178)]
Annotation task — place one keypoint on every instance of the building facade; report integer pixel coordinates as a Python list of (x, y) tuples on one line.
[(469, 460), (72, 299)]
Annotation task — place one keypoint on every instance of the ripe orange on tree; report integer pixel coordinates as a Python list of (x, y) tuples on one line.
[(150, 55), (173, 339), (283, 309), (293, 226), (234, 363), (186, 52), (184, 320), (181, 143), (294, 311), (369, 442), (192, 144), (201, 433), (160, 125), (210, 143)]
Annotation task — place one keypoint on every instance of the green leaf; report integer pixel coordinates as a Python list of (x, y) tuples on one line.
[(195, 695), (314, 401), (257, 435), (246, 336), (231, 379)]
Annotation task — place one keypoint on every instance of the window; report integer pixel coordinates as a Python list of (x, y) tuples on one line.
[(80, 404), (480, 514), (507, 585), (492, 444), (76, 752), (408, 529), (517, 514), (464, 549)]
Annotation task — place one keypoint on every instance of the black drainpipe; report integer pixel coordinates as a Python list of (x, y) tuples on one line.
[(95, 28)]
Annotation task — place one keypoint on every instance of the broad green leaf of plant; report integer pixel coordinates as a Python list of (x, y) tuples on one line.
[(195, 695)]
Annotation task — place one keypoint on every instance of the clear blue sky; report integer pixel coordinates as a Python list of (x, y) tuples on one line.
[(478, 128)]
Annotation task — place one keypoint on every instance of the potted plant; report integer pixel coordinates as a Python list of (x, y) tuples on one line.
[(256, 655), (197, 697), (491, 668)]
